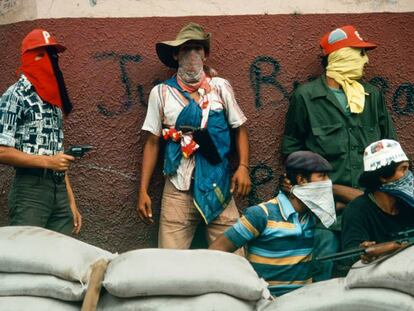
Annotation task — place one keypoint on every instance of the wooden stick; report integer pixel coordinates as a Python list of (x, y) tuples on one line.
[(91, 299)]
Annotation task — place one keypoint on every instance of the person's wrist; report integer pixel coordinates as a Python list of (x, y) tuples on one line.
[(44, 161), (245, 166)]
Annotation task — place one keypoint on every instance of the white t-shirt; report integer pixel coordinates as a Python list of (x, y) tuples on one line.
[(165, 104)]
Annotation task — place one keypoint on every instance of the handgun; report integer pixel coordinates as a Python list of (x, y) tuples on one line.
[(78, 151)]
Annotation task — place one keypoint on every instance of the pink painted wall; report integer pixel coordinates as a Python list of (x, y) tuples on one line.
[(111, 65)]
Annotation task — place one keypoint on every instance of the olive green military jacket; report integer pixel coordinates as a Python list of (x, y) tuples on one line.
[(316, 121)]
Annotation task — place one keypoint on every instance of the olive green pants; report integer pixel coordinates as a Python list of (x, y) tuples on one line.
[(39, 201)]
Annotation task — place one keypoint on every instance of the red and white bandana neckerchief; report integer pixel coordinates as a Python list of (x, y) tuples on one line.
[(194, 87)]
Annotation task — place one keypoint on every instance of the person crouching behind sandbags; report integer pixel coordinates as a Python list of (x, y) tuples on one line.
[(279, 233), (387, 206)]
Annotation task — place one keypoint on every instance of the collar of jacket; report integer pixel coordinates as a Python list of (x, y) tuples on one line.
[(321, 89)]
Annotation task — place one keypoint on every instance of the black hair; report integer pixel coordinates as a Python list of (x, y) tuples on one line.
[(63, 92), (324, 61), (371, 180), (292, 174)]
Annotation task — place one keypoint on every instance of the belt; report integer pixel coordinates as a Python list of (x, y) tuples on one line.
[(57, 177)]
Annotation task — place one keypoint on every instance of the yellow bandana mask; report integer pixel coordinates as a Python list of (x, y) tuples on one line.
[(346, 66)]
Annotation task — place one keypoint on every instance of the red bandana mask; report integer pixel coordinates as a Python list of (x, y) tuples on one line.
[(40, 73)]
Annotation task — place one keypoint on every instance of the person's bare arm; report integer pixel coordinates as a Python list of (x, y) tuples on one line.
[(223, 244), (77, 218), (151, 150), (344, 195), (240, 183), (12, 156)]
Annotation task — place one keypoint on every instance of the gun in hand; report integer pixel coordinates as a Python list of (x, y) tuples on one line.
[(404, 239), (78, 151)]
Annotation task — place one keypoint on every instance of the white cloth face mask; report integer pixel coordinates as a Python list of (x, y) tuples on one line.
[(318, 197)]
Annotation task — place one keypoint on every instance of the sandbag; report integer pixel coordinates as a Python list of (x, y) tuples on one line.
[(207, 302), (25, 303), (332, 295), (38, 250), (160, 272), (24, 284), (395, 272)]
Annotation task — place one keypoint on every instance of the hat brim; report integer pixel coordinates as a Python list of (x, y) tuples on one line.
[(363, 45), (166, 49), (59, 47)]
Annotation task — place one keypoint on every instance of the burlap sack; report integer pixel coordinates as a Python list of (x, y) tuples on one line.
[(25, 303), (24, 284), (396, 272), (38, 250), (160, 272), (332, 295), (207, 302)]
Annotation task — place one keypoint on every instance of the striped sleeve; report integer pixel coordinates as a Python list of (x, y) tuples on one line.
[(248, 227)]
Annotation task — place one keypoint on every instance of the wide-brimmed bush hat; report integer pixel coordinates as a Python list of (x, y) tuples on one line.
[(191, 32)]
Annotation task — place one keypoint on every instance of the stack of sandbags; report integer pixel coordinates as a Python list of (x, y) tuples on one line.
[(333, 295), (39, 262), (164, 279), (395, 271), (21, 303)]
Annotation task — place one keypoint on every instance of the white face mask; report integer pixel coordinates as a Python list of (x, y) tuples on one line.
[(318, 197), (190, 66)]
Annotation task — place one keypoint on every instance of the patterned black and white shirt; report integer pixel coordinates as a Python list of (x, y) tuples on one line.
[(27, 123)]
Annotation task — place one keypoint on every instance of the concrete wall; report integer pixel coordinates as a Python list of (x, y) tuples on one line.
[(110, 67), (22, 10)]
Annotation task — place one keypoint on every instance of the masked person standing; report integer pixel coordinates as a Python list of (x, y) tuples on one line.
[(31, 139), (387, 206), (337, 116), (279, 233), (193, 112)]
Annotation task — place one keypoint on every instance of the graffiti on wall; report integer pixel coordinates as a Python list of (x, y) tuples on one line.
[(258, 79), (402, 98), (263, 73), (122, 60)]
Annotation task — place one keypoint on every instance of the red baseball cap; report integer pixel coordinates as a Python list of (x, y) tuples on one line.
[(346, 36), (38, 38)]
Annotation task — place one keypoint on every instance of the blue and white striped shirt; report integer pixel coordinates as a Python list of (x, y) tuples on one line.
[(279, 243)]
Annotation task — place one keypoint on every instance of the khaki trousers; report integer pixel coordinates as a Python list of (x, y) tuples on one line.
[(179, 219)]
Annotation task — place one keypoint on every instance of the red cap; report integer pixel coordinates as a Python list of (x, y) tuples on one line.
[(346, 36), (38, 38)]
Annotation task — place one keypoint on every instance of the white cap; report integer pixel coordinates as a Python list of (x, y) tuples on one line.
[(381, 153)]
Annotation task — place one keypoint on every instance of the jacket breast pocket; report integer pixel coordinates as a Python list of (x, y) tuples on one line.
[(329, 140)]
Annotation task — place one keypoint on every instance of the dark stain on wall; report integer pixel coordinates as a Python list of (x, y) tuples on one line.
[(110, 67)]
